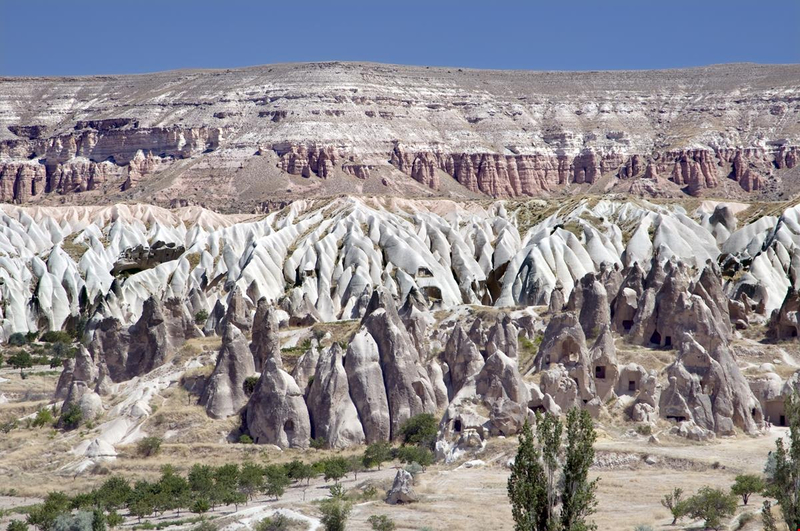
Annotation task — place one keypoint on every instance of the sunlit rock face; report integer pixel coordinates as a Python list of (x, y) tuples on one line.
[(238, 139)]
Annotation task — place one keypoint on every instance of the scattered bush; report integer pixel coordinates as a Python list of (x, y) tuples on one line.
[(245, 439), (71, 418), (44, 417), (250, 385), (381, 523), (318, 443), (205, 525), (643, 527), (17, 339), (80, 521), (201, 317), (335, 512), (745, 519), (56, 336), (149, 446), (644, 429), (280, 522), (17, 525)]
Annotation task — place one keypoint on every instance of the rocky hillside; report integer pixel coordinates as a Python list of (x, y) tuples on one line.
[(240, 139)]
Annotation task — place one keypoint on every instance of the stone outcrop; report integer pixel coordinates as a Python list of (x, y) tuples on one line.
[(276, 412), (266, 343), (333, 415), (784, 323), (408, 388), (224, 394), (365, 380), (402, 490)]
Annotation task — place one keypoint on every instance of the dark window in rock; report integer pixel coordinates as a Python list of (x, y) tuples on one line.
[(288, 426), (627, 325), (668, 341), (457, 425), (631, 385), (600, 372), (782, 421), (676, 418), (655, 338)]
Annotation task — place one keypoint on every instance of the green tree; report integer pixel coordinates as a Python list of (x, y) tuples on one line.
[(335, 468), (113, 493), (784, 485), (251, 479), (43, 516), (674, 504), (201, 481), (381, 523), (747, 484), (376, 454), (44, 417), (275, 480), (712, 505), (539, 483), (420, 430), (299, 471), (527, 485), (415, 454), (578, 499), (142, 500), (355, 465), (335, 512), (174, 490), (17, 339), (17, 525), (226, 485)]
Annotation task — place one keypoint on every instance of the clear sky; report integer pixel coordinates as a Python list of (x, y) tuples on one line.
[(80, 37)]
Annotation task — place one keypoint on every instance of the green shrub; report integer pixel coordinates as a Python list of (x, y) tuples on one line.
[(420, 430), (318, 443), (56, 336), (149, 446), (250, 385), (335, 512), (747, 484), (205, 525), (200, 506), (20, 360), (644, 429), (17, 339), (280, 522), (44, 417), (201, 317), (381, 523), (335, 468), (71, 418), (17, 525), (245, 439)]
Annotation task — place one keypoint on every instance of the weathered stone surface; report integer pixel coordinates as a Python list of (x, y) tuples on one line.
[(402, 490), (224, 393), (333, 415), (365, 379), (266, 343), (276, 412)]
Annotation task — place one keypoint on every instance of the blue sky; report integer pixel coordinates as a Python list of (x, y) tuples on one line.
[(80, 37)]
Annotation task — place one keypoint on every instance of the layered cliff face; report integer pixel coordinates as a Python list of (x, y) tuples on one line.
[(223, 137)]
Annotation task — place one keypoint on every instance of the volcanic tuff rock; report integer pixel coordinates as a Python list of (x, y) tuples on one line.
[(224, 393), (233, 138)]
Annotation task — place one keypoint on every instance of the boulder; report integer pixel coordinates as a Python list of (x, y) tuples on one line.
[(402, 490)]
